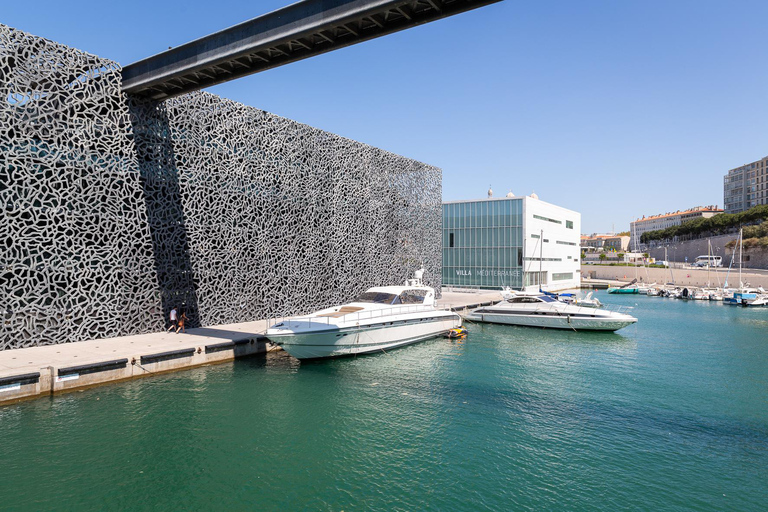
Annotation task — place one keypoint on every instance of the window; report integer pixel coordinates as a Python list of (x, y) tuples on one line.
[(376, 297), (534, 278), (569, 224), (450, 238), (562, 276), (547, 219), (535, 236), (412, 297), (564, 243)]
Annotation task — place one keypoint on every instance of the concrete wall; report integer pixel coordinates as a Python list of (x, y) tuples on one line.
[(117, 210), (691, 277), (758, 257)]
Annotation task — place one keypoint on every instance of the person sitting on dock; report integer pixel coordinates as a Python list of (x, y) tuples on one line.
[(172, 316)]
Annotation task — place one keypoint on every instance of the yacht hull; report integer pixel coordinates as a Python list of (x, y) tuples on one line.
[(622, 290), (553, 322), (359, 340)]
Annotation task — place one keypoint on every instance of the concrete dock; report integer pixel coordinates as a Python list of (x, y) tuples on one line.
[(41, 371), (38, 371)]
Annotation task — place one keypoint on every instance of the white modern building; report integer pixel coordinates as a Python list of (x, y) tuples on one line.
[(517, 241)]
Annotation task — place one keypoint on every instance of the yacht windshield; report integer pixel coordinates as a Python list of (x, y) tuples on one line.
[(376, 297), (529, 300), (412, 297)]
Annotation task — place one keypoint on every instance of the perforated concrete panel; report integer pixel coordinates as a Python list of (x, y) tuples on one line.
[(76, 261), (117, 210)]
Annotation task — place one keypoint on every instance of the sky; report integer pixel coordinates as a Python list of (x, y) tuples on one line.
[(615, 109)]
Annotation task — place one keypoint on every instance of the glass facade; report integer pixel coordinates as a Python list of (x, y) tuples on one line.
[(483, 243)]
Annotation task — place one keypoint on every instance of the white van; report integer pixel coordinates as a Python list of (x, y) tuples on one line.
[(708, 261)]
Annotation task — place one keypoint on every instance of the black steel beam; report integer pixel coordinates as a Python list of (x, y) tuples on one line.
[(293, 33)]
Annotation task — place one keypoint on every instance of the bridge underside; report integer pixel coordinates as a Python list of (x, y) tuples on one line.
[(287, 35)]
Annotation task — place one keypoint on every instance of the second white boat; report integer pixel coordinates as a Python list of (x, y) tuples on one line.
[(539, 310)]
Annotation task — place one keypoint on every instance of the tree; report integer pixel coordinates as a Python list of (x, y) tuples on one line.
[(602, 256), (716, 225), (620, 255)]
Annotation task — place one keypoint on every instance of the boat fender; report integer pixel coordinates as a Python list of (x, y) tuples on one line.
[(569, 319)]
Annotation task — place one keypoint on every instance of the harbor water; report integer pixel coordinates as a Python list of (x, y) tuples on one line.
[(667, 414)]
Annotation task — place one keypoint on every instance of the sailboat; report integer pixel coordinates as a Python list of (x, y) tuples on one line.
[(642, 288), (745, 296), (708, 292)]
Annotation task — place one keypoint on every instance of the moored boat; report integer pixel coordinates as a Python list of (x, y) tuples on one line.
[(380, 319), (589, 302), (627, 288), (539, 310)]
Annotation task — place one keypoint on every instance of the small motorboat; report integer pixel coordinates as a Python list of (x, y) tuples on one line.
[(457, 332), (630, 287), (588, 302)]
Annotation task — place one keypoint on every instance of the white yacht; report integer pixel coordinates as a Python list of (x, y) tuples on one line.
[(539, 310), (380, 319)]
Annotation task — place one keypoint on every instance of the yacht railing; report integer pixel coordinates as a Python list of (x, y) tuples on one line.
[(357, 316), (611, 308)]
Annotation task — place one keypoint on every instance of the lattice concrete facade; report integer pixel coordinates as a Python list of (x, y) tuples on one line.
[(115, 210)]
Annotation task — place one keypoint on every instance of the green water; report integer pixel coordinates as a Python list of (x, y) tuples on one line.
[(669, 414)]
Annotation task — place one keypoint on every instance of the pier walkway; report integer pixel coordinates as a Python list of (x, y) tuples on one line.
[(40, 371), (37, 371)]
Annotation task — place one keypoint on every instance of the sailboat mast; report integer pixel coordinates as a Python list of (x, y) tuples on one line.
[(741, 252), (669, 266), (541, 254), (709, 259)]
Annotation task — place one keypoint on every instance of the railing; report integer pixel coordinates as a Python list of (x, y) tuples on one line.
[(612, 308), (461, 289), (357, 316)]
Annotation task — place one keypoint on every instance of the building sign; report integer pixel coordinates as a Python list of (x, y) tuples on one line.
[(488, 272)]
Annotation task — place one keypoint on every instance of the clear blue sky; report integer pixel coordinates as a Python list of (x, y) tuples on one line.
[(616, 109)]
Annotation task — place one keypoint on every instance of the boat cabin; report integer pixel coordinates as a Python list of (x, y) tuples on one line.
[(527, 299), (393, 296)]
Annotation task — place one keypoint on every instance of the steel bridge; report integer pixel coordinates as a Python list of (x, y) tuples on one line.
[(295, 32)]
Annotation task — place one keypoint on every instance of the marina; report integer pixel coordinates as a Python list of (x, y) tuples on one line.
[(667, 414), (299, 296), (42, 371)]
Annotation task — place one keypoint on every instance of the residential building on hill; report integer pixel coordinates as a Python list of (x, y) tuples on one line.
[(597, 243), (663, 221), (746, 186)]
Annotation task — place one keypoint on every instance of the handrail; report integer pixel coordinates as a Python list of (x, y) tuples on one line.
[(360, 315), (612, 308)]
